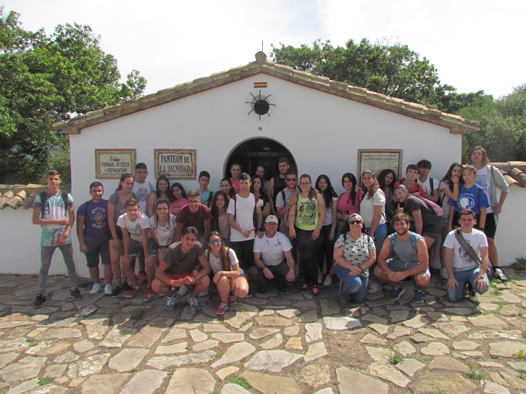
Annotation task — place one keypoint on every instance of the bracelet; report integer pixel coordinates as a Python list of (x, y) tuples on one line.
[(361, 269), (263, 268), (221, 273), (289, 204)]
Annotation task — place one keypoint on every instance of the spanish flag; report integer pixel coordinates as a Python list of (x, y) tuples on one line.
[(260, 85)]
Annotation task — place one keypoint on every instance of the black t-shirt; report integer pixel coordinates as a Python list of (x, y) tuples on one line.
[(432, 223)]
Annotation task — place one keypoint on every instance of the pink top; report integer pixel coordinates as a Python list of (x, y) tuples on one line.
[(235, 184), (177, 205), (344, 204)]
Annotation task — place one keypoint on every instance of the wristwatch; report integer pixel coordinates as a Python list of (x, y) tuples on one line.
[(262, 268)]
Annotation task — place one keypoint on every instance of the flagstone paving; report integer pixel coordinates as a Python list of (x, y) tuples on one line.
[(269, 343)]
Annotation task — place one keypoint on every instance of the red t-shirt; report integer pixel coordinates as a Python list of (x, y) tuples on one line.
[(196, 220), (413, 189)]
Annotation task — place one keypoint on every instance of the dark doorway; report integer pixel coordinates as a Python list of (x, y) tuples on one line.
[(255, 152)]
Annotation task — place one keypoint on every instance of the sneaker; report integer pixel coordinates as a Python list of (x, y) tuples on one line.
[(126, 287), (149, 292), (443, 273), (142, 275), (221, 309), (374, 287), (498, 273), (108, 290), (117, 290), (320, 279), (95, 289), (396, 292), (140, 281), (327, 281), (76, 294), (473, 297), (315, 292), (304, 287), (232, 300), (194, 303), (418, 297), (170, 302), (283, 291), (204, 293), (40, 301), (132, 293)]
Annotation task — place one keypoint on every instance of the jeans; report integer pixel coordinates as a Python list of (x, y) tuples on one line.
[(379, 237), (326, 250), (307, 252), (462, 277), (354, 287), (46, 253)]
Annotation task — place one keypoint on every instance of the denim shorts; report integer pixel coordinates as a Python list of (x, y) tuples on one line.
[(134, 247), (96, 249)]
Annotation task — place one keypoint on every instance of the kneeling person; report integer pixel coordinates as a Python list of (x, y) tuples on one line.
[(410, 259), (466, 258), (180, 268)]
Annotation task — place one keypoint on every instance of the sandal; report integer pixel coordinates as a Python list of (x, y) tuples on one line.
[(304, 288), (315, 292)]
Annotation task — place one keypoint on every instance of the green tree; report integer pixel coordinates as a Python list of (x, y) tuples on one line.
[(45, 79)]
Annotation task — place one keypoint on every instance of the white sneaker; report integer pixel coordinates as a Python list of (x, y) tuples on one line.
[(108, 290), (443, 273), (320, 279), (204, 293), (95, 289), (374, 287), (473, 297), (327, 281)]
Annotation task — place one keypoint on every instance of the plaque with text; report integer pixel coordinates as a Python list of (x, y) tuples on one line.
[(175, 163), (377, 160), (112, 163)]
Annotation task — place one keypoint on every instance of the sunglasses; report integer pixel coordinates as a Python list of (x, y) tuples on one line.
[(215, 241), (355, 222), (291, 179)]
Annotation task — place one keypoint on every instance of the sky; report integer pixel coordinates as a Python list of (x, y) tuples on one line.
[(474, 44)]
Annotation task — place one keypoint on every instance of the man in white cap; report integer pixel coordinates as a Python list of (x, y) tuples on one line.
[(273, 258)]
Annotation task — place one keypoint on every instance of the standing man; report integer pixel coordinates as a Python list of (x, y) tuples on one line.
[(278, 183), (94, 236), (283, 200), (466, 259), (410, 260), (411, 174), (273, 258), (430, 185), (49, 211), (193, 214)]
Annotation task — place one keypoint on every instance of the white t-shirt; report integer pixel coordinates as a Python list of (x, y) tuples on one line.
[(243, 211), (134, 228), (485, 179), (142, 190), (272, 249), (460, 259), (427, 185), (165, 234), (367, 208), (215, 264), (328, 212)]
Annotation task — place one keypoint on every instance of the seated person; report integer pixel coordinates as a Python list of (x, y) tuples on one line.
[(272, 258), (410, 260), (228, 277), (466, 259), (354, 254), (179, 269)]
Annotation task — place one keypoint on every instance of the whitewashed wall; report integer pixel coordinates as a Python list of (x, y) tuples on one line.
[(510, 231)]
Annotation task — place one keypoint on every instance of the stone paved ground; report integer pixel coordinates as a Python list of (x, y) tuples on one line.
[(268, 343)]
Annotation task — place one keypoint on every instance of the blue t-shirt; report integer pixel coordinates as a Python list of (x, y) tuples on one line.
[(206, 198), (471, 198), (96, 227)]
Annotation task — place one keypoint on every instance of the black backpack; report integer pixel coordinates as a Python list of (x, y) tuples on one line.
[(43, 199)]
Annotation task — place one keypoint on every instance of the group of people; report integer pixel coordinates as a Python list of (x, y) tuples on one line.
[(255, 231)]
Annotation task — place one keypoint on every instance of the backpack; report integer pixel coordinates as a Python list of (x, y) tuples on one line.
[(234, 197), (392, 238), (43, 200), (434, 206), (285, 219)]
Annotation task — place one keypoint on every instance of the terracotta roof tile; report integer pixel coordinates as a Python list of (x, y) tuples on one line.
[(20, 196)]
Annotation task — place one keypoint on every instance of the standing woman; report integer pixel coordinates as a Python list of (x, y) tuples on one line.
[(257, 190), (219, 221), (227, 276), (116, 208), (328, 231), (235, 171), (179, 199), (449, 189), (348, 203), (354, 254), (490, 178), (306, 216), (162, 192), (386, 180), (226, 186)]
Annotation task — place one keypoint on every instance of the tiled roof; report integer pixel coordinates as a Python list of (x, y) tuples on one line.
[(456, 124), (22, 196)]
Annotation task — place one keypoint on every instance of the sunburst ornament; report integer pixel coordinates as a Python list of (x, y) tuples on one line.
[(260, 104)]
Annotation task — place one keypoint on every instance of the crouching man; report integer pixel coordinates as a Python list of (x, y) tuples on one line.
[(466, 259), (404, 255), (184, 264)]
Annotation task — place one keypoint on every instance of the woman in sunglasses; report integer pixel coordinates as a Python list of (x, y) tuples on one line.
[(227, 276), (354, 253)]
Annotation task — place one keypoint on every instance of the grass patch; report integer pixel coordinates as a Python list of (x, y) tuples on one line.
[(30, 342), (474, 374), (524, 334), (496, 292), (500, 303), (44, 381), (138, 314), (519, 264), (245, 323), (520, 354), (523, 374), (396, 358), (239, 381)]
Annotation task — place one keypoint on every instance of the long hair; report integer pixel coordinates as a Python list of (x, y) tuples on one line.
[(381, 179), (231, 192), (214, 223), (180, 187), (252, 186), (158, 193), (329, 193), (485, 158), (224, 256), (352, 178), (449, 173), (123, 178), (160, 202), (370, 192), (312, 192)]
